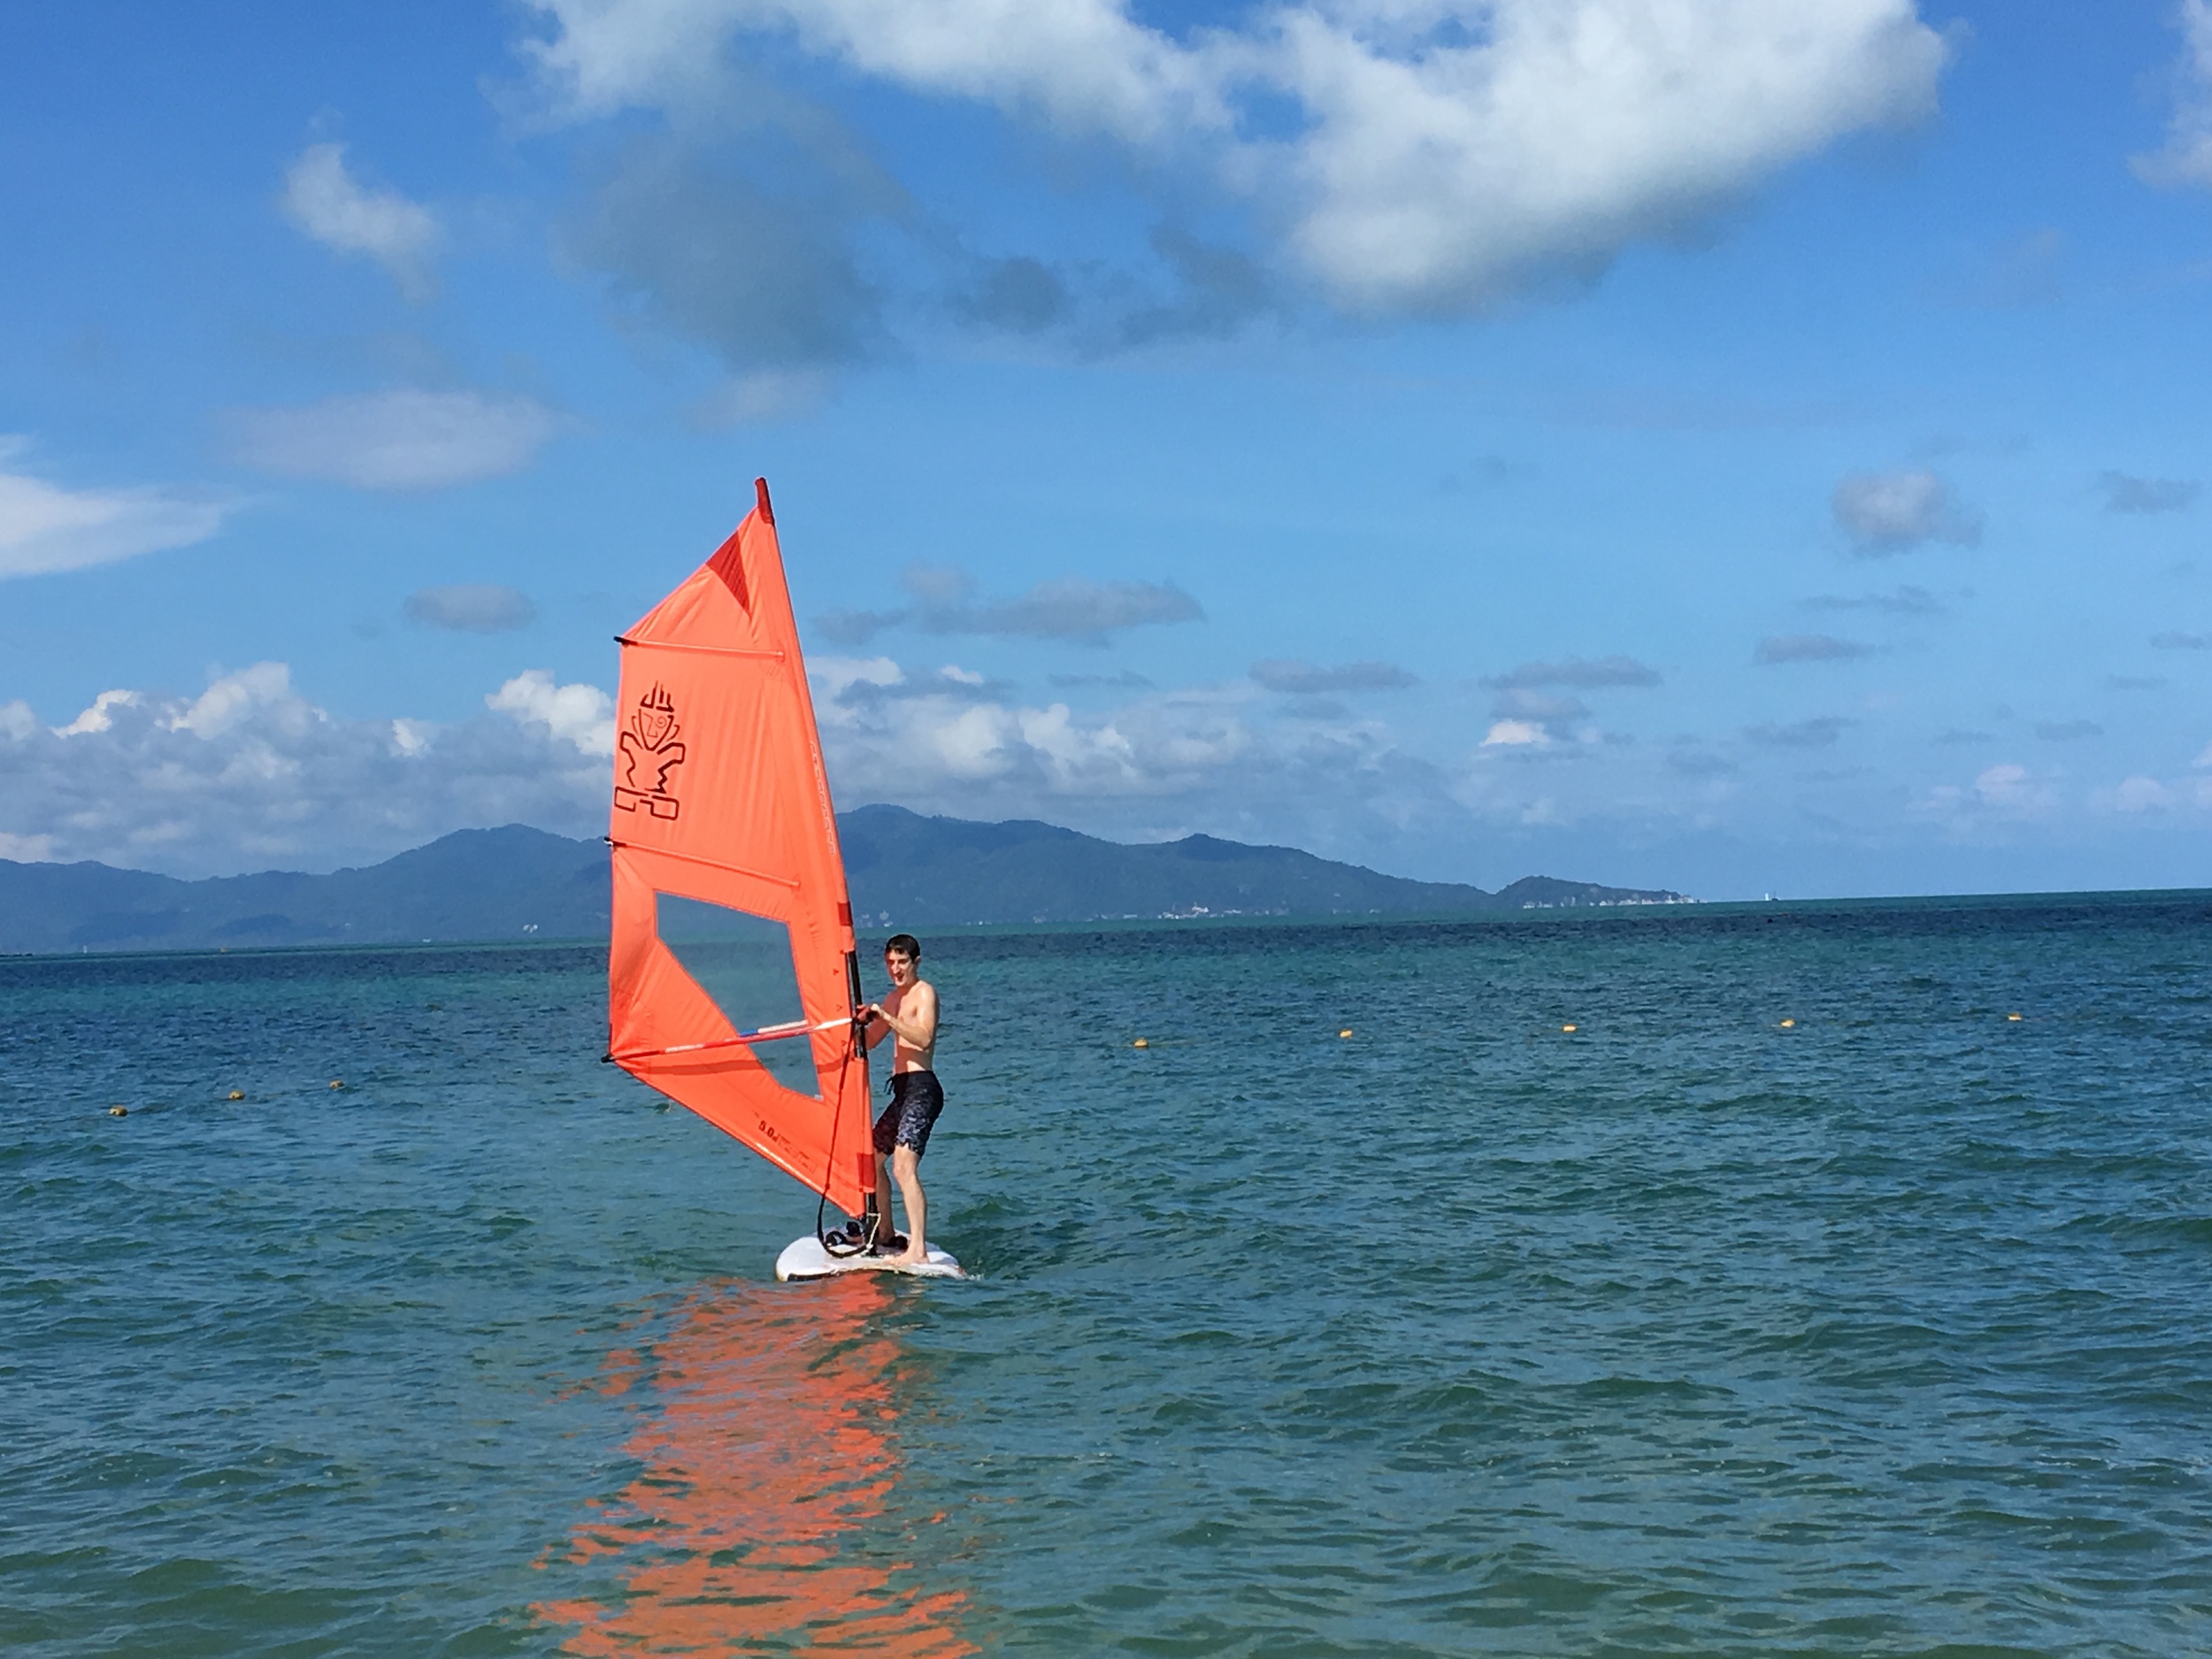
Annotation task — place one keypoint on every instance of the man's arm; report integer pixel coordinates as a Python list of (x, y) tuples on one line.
[(915, 1022)]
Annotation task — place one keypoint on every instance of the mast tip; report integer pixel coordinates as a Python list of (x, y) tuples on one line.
[(760, 492)]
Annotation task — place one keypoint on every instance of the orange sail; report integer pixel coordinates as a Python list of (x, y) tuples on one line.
[(730, 978)]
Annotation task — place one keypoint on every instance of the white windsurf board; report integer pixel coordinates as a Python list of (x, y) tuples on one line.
[(805, 1258)]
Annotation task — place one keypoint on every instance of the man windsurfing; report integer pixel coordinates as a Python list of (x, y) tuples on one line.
[(908, 1015)]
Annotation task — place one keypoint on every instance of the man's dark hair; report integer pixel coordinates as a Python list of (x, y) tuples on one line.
[(905, 944)]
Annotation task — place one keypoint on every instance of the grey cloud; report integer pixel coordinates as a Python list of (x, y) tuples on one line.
[(1699, 763), (471, 608), (1956, 736), (2067, 731), (2135, 682), (856, 627), (1818, 732), (954, 684), (2125, 494), (1808, 647), (1303, 678), (2171, 640), (1019, 296), (1891, 513), (1483, 470), (1558, 716), (1070, 607), (1583, 674), (1218, 291), (936, 584), (767, 280), (1129, 680), (1907, 600), (1316, 709)]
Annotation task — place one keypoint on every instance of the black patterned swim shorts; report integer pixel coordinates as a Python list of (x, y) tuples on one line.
[(916, 1099)]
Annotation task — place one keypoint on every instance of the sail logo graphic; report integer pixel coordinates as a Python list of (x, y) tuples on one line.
[(650, 754)]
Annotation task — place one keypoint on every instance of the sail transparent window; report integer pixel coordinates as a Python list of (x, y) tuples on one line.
[(744, 963)]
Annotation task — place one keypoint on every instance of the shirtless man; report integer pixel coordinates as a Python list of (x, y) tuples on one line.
[(910, 1014)]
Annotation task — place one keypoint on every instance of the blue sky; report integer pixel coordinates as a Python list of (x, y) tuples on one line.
[(1732, 446)]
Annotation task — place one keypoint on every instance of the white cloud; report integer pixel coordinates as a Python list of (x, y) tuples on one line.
[(1558, 718), (1514, 735), (1998, 795), (578, 714), (1440, 151), (2005, 784), (1434, 174), (2186, 157), (249, 774), (264, 691), (839, 674), (925, 739), (2140, 794), (1889, 512), (764, 395), (44, 529), (100, 715), (1082, 64), (324, 200), (398, 441)]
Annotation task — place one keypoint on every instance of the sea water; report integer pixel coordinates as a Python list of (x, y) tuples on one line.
[(1799, 1300)]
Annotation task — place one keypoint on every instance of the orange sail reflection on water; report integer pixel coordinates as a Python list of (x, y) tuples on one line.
[(767, 1456)]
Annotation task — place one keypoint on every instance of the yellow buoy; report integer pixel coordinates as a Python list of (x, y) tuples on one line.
[(238, 1094), (1345, 1032), (1789, 1024), (118, 1111), (1141, 1042), (1570, 1028)]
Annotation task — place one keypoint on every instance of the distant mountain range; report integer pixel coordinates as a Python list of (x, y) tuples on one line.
[(905, 869)]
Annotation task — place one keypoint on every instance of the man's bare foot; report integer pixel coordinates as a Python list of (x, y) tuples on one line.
[(912, 1258)]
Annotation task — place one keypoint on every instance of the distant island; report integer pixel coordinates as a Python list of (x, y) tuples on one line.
[(904, 870)]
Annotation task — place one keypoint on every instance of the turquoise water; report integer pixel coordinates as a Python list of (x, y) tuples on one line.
[(1685, 1332)]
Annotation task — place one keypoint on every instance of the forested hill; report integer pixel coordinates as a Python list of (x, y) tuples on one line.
[(905, 871)]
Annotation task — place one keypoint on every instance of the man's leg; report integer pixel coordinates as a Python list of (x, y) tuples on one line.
[(906, 1163)]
